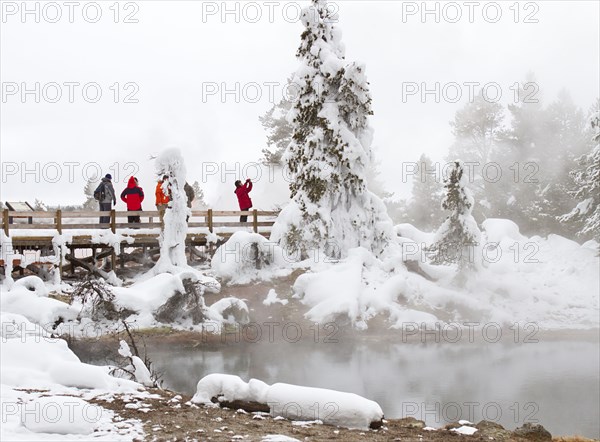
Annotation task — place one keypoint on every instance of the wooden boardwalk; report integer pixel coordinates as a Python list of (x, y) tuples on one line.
[(35, 231)]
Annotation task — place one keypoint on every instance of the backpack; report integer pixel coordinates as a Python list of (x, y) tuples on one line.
[(99, 193)]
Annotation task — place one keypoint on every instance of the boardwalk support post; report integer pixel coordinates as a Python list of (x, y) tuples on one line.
[(113, 229), (59, 221), (5, 221)]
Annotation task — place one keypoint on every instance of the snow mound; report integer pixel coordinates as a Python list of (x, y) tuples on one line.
[(411, 232), (497, 229), (59, 415), (223, 386), (333, 407), (465, 429), (278, 438), (246, 257), (32, 283), (78, 375), (34, 305), (273, 299), (292, 401), (230, 310)]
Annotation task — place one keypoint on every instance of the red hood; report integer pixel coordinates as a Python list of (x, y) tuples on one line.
[(131, 182)]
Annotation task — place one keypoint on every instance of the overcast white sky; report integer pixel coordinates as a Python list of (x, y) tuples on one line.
[(178, 49)]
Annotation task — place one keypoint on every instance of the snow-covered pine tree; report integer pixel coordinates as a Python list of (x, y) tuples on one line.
[(587, 180), (173, 236), (477, 129), (423, 210), (279, 131), (199, 202), (327, 160), (40, 206), (456, 239), (90, 203)]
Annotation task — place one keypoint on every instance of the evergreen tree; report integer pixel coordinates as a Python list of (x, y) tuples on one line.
[(587, 190), (456, 239), (330, 151), (199, 199), (563, 139), (39, 206), (478, 128), (518, 155), (423, 210), (279, 132), (374, 181)]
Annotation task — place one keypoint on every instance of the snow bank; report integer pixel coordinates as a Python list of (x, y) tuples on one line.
[(551, 281), (246, 257), (33, 359), (292, 401), (30, 300), (41, 391)]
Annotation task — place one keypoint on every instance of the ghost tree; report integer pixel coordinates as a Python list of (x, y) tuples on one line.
[(172, 238)]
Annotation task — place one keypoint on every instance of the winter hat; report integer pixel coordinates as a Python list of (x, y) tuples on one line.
[(108, 175)]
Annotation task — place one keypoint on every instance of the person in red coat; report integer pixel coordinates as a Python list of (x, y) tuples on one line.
[(242, 191), (133, 196)]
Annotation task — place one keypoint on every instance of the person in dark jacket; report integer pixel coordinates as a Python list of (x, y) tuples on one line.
[(190, 195), (133, 196), (106, 197), (242, 191)]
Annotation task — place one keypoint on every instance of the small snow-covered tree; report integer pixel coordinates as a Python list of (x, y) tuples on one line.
[(423, 210), (199, 196), (91, 185), (456, 239), (330, 151), (173, 236), (279, 131), (40, 206), (477, 129), (587, 180)]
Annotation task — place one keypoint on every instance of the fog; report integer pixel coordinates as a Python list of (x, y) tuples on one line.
[(170, 61), (553, 382)]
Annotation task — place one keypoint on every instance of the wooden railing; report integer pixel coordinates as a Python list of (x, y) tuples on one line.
[(60, 221)]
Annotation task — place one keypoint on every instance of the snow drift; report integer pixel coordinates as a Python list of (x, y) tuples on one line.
[(292, 401)]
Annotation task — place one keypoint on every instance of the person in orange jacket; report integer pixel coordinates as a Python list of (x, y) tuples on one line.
[(162, 199)]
